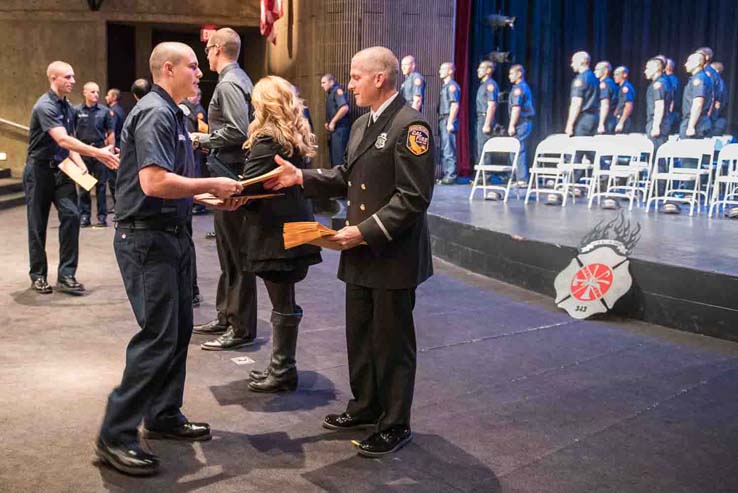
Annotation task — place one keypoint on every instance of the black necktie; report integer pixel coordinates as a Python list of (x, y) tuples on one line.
[(371, 121)]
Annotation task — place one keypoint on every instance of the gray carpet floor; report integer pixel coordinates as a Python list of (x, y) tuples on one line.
[(511, 393)]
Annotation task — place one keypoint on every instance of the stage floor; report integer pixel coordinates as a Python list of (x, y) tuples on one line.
[(511, 394), (697, 242)]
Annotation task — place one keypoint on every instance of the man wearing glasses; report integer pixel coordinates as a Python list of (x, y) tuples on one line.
[(229, 117)]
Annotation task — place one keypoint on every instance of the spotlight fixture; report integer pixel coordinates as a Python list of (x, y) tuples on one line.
[(499, 21), (500, 57)]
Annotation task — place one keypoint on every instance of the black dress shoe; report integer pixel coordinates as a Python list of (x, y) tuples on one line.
[(84, 222), (227, 341), (102, 223), (41, 286), (271, 383), (196, 300), (129, 460), (384, 442), (70, 285), (259, 375), (346, 422), (190, 432), (212, 327)]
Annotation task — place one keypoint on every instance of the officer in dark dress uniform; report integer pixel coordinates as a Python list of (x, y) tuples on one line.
[(388, 181), (337, 122), (521, 113), (51, 141), (154, 254), (626, 99), (488, 95), (413, 87), (584, 107), (448, 121), (696, 122), (228, 118), (112, 99), (94, 124), (608, 98)]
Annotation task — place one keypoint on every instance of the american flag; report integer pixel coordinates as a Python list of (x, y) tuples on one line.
[(271, 10)]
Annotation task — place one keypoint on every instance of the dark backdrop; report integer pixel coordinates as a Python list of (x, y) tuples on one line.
[(624, 32)]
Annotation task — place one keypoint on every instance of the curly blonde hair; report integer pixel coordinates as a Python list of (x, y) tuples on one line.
[(278, 113)]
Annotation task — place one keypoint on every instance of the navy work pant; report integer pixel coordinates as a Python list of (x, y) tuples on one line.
[(45, 185), (99, 171), (157, 274)]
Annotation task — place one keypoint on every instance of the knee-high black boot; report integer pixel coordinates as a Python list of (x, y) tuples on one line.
[(281, 375)]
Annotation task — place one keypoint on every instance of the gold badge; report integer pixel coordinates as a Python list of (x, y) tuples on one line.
[(578, 83), (603, 85), (418, 139), (112, 113)]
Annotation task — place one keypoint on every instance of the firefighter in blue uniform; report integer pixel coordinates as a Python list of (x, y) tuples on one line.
[(674, 88), (51, 141), (413, 87), (488, 95), (95, 126), (608, 98), (720, 122), (337, 122), (626, 99), (521, 112), (112, 99), (584, 107), (154, 253), (448, 121), (696, 101)]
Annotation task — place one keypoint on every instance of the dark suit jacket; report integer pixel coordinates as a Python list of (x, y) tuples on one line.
[(388, 182)]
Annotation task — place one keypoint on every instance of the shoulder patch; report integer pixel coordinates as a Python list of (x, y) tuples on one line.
[(418, 139), (452, 88), (418, 81), (603, 85), (578, 83), (491, 87), (625, 89), (696, 82), (339, 91), (518, 91), (657, 85)]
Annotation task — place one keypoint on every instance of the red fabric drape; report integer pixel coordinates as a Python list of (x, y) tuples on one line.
[(461, 60), (271, 11)]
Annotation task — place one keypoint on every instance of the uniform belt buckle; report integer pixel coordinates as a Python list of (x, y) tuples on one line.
[(177, 229)]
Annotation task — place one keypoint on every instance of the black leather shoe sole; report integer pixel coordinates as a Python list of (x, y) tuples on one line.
[(73, 291), (110, 460), (284, 387), (361, 426), (160, 435), (228, 347), (395, 448)]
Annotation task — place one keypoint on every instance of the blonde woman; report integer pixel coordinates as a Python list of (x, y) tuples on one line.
[(278, 128)]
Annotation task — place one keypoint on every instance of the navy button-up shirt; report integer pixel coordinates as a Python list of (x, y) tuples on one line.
[(49, 112)]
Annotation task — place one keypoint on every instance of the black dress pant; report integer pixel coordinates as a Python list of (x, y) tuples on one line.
[(45, 185), (380, 336), (235, 299), (157, 274), (99, 171)]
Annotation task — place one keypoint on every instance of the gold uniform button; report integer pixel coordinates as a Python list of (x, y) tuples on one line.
[(348, 203), (362, 207), (363, 187), (347, 223)]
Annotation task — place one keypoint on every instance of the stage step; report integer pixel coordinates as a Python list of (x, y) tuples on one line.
[(10, 185), (4, 172), (9, 200)]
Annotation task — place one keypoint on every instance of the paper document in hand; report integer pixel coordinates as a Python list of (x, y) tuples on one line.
[(84, 180), (237, 200), (314, 233), (266, 176), (202, 127)]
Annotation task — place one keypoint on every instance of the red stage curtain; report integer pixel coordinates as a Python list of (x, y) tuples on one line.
[(461, 60)]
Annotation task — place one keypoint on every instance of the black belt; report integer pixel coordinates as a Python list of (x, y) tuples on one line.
[(51, 163), (141, 225)]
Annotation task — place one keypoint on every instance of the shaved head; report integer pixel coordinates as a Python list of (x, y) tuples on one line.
[(581, 57), (57, 68), (378, 59), (90, 86), (228, 41), (170, 51)]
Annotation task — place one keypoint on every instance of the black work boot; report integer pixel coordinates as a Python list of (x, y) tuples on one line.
[(281, 375)]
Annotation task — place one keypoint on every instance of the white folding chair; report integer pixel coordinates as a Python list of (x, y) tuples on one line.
[(502, 145), (548, 156), (672, 152), (577, 145), (729, 178), (624, 166)]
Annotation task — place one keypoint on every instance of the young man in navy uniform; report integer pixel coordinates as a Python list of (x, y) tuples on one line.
[(488, 95), (626, 98), (337, 122), (413, 87), (95, 126), (521, 113), (154, 254), (448, 121), (50, 142), (388, 181), (584, 106), (608, 98)]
